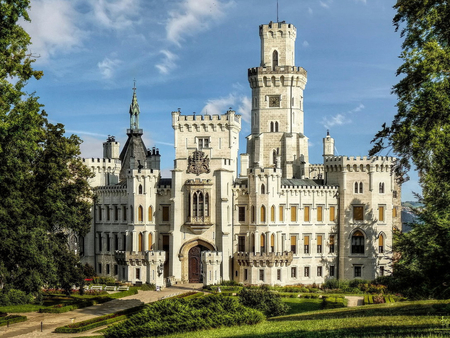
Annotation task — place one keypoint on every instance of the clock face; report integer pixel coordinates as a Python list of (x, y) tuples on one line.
[(274, 101)]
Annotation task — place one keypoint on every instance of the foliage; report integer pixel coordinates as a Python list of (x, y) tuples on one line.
[(419, 135), (181, 315), (44, 194), (300, 305), (14, 297), (148, 287), (262, 299), (12, 319), (333, 302)]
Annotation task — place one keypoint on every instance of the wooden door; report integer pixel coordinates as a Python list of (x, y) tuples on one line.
[(195, 265)]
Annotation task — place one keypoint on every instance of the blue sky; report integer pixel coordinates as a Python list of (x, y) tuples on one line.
[(194, 55)]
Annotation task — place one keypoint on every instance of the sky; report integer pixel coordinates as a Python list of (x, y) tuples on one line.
[(194, 55)]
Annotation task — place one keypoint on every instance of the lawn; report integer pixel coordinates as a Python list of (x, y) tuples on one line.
[(405, 319), (300, 305)]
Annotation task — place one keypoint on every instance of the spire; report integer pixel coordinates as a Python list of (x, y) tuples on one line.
[(134, 110)]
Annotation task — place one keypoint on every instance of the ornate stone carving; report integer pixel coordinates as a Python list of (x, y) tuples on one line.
[(198, 163)]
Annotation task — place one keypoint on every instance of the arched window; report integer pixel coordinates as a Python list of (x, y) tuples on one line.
[(272, 214), (361, 187), (357, 242), (272, 243), (271, 127), (274, 157), (263, 241), (276, 126), (150, 214), (253, 214), (116, 213), (140, 214), (274, 59), (108, 214), (140, 189), (150, 241), (206, 205), (263, 214), (131, 213), (263, 189), (200, 204), (194, 205), (356, 187), (381, 188), (380, 244), (141, 242)]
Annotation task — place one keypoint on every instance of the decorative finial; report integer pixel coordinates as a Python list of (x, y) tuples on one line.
[(328, 132), (134, 86)]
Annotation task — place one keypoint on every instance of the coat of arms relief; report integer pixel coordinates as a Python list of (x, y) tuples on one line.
[(198, 163)]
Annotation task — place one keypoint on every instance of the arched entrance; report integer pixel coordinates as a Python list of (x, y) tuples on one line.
[(195, 264)]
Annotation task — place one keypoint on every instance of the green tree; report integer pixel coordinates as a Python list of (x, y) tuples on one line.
[(419, 135), (44, 194)]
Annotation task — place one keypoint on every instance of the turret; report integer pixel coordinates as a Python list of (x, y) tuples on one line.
[(111, 148), (328, 145)]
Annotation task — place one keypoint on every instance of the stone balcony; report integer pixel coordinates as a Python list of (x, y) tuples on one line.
[(271, 259), (198, 224)]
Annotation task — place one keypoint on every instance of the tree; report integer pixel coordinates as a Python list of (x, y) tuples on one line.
[(419, 135), (44, 193)]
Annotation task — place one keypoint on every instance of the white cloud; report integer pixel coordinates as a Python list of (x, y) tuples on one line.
[(363, 1), (245, 108), (53, 28), (310, 11), (357, 109), (168, 62), (222, 104), (107, 67), (305, 44), (341, 118), (115, 14), (324, 5)]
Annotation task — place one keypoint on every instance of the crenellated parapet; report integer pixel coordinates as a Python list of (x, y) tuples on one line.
[(205, 123), (279, 76), (359, 163)]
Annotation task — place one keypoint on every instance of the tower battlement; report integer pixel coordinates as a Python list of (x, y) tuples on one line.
[(204, 122), (278, 30)]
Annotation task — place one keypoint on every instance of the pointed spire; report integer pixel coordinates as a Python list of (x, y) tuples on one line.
[(134, 110)]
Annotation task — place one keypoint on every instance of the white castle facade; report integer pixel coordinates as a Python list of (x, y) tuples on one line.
[(279, 220)]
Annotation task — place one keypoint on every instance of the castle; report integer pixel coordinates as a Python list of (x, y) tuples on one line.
[(278, 220)]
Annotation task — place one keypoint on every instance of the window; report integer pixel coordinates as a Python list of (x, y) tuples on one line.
[(245, 274), (203, 142), (380, 244), (274, 59), (108, 214), (272, 243), (294, 272), (253, 214), (150, 214), (331, 243), (138, 273), (331, 270), (380, 213), (116, 213), (241, 243), (124, 213), (319, 271), (140, 189), (241, 214), (306, 271), (263, 214), (165, 213), (99, 267), (381, 270), (319, 244), (263, 243), (124, 242), (278, 274), (116, 269), (116, 241), (99, 213), (394, 212), (263, 189), (276, 126), (140, 214), (357, 242), (394, 194), (100, 242), (306, 244), (107, 269), (358, 213), (131, 213), (281, 213), (381, 188), (272, 127), (294, 244), (261, 275), (357, 271), (360, 187), (306, 217), (272, 214), (108, 243), (200, 205), (332, 214), (319, 214), (356, 187), (293, 213), (150, 241), (140, 242)]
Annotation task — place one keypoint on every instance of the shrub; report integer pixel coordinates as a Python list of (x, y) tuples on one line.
[(264, 300), (378, 299), (15, 297), (12, 319), (148, 287), (333, 302), (230, 283)]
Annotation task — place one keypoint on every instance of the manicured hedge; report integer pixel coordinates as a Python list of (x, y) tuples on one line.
[(181, 315), (333, 302), (12, 319)]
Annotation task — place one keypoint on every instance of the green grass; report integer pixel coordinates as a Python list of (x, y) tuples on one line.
[(300, 305), (405, 319), (21, 308)]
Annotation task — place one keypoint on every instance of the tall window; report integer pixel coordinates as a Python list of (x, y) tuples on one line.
[(306, 271), (140, 214), (357, 271), (319, 244), (356, 187), (150, 241), (274, 59), (380, 244), (140, 242), (253, 214), (276, 126), (357, 242), (99, 213), (263, 189), (272, 127), (108, 243), (331, 243), (165, 213), (306, 214), (380, 213), (131, 213), (394, 212), (108, 213), (263, 214), (200, 204), (358, 213), (100, 242), (332, 213), (241, 243), (381, 270), (150, 214), (241, 214), (361, 187), (331, 270), (278, 274), (140, 189), (293, 213), (306, 244), (319, 271), (263, 243), (294, 272), (272, 243), (124, 213), (294, 244), (381, 188), (281, 213), (319, 214), (116, 241), (261, 275), (138, 273), (272, 214), (116, 213)]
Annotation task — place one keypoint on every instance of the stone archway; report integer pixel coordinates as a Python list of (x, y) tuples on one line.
[(190, 257)]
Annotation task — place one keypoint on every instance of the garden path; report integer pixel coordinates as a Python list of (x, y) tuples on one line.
[(355, 301), (32, 327)]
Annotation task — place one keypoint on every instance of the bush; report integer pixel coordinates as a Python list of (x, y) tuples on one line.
[(11, 320), (15, 297), (264, 300), (181, 315), (333, 302), (230, 283), (148, 287)]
